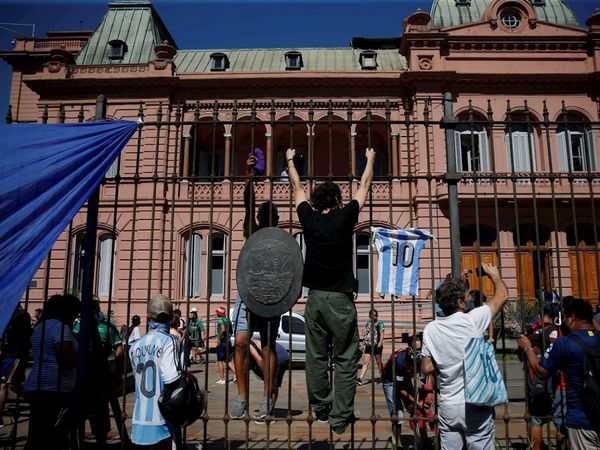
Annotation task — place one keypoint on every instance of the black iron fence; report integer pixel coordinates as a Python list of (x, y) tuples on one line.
[(510, 184)]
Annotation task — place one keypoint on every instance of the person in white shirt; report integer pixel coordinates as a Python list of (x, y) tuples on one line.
[(133, 334), (444, 340)]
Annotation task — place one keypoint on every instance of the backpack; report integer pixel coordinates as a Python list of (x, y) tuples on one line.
[(590, 382), (182, 403), (539, 391)]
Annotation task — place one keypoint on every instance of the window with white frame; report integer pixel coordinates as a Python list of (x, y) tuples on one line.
[(192, 265), (362, 262), (77, 264), (300, 240), (520, 148), (293, 60), (575, 147), (471, 148), (113, 169), (106, 265), (217, 259), (219, 62)]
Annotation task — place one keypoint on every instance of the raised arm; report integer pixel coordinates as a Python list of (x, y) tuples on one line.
[(365, 180), (497, 302), (250, 225), (297, 189)]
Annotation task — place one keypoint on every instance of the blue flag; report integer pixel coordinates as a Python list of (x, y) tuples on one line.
[(47, 172)]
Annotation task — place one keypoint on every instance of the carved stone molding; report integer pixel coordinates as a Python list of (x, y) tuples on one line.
[(425, 63), (111, 69), (54, 66), (160, 64)]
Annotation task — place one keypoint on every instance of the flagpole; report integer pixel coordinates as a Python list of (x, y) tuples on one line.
[(87, 291)]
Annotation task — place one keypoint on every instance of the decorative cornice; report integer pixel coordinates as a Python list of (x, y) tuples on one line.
[(516, 45), (113, 68)]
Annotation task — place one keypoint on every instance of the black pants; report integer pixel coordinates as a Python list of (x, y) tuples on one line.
[(50, 422)]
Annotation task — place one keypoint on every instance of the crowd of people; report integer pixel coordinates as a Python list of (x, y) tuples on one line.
[(560, 351)]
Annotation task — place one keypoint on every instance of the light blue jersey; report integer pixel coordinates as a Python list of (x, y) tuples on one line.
[(399, 251), (154, 361)]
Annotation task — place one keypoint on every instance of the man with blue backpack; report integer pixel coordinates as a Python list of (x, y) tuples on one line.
[(577, 355)]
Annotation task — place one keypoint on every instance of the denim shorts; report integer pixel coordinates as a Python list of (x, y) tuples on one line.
[(241, 317)]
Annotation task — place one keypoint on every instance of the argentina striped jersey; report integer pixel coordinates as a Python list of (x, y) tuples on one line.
[(398, 263), (154, 361)]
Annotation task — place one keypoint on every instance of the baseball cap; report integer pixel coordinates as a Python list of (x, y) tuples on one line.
[(160, 304), (194, 309), (220, 311)]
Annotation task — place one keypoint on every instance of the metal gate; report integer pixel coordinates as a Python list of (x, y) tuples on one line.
[(513, 185)]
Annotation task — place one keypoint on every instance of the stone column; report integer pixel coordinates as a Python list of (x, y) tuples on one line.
[(353, 152), (395, 162), (269, 154), (186, 155), (310, 140), (227, 169)]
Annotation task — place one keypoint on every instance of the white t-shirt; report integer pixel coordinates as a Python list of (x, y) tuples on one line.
[(444, 341), (134, 336)]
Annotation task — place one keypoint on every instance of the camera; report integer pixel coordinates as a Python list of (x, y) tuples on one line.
[(480, 271)]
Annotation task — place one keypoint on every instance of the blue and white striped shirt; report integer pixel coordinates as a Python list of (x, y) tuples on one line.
[(46, 374), (154, 361), (399, 250)]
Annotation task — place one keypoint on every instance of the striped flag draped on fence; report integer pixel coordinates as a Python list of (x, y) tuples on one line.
[(399, 250)]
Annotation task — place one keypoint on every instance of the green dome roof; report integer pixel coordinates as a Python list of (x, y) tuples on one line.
[(446, 13)]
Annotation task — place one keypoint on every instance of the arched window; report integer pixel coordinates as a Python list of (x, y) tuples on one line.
[(520, 148), (362, 262), (198, 260), (192, 265), (106, 265), (113, 170), (471, 145), (217, 259), (77, 264), (575, 146)]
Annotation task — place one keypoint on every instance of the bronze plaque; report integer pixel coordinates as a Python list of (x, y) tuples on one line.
[(269, 272)]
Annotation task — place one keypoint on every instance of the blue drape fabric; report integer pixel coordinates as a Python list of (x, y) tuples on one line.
[(47, 172)]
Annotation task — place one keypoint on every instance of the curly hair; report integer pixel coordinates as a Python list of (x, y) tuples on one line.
[(326, 196), (449, 294), (267, 215)]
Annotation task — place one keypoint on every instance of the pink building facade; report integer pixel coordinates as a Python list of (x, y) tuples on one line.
[(524, 80)]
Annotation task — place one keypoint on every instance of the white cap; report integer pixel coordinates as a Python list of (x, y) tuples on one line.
[(194, 309)]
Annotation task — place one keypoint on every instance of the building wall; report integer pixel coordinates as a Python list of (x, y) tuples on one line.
[(156, 201)]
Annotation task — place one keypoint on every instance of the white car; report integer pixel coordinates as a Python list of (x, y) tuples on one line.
[(289, 327)]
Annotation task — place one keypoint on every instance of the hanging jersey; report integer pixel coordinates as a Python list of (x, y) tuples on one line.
[(399, 250), (154, 361)]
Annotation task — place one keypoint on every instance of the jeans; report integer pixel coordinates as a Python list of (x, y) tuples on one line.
[(470, 423), (388, 391)]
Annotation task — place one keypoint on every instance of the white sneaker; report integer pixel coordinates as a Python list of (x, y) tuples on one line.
[(220, 382)]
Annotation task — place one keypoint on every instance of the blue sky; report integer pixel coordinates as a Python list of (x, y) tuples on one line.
[(231, 23)]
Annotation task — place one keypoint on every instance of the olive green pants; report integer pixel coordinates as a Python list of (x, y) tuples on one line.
[(331, 318)]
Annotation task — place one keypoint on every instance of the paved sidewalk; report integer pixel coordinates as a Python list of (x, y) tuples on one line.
[(217, 431)]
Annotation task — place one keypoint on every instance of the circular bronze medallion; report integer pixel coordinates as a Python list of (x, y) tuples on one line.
[(269, 272)]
